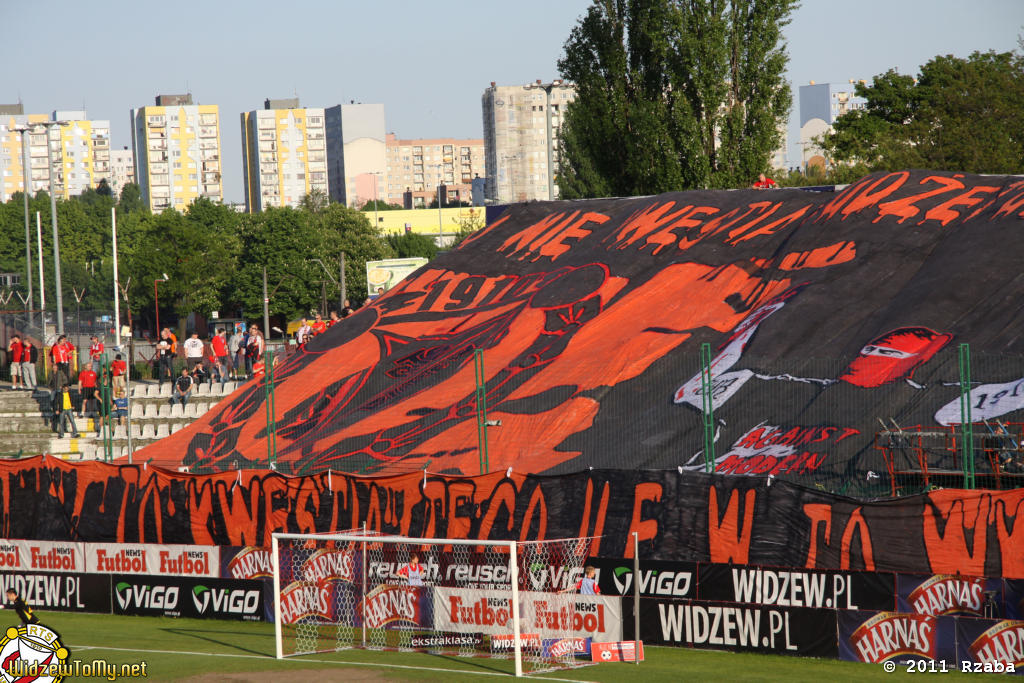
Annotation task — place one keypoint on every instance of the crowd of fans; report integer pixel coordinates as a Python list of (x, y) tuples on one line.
[(99, 391)]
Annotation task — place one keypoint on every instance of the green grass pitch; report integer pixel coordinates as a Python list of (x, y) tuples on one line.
[(213, 650)]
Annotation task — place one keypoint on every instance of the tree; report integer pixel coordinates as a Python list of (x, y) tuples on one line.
[(673, 95), (381, 206), (102, 188), (130, 199), (406, 245), (959, 115), (315, 201)]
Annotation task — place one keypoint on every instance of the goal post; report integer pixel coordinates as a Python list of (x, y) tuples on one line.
[(506, 599)]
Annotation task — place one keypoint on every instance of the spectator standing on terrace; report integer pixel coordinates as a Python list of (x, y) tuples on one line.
[(346, 310), (60, 354), (333, 319), (63, 411), (764, 183), (253, 349), (14, 353), (318, 325), (182, 388), (96, 353), (222, 358), (87, 391), (304, 332), (236, 348), (118, 369), (29, 358), (193, 351), (164, 360)]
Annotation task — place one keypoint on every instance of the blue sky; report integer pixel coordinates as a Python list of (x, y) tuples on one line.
[(428, 63)]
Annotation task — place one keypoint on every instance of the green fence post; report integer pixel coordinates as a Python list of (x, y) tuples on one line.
[(481, 409), (268, 385), (106, 429), (966, 422), (708, 411)]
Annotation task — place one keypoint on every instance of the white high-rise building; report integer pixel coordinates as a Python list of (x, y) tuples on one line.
[(521, 126), (284, 154), (122, 169)]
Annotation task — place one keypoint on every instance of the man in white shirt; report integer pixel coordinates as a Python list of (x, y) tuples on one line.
[(193, 351), (303, 333)]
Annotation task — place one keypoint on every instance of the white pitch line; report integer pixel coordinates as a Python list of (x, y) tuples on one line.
[(315, 661)]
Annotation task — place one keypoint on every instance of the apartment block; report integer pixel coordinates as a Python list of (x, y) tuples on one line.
[(521, 125), (76, 154), (284, 154), (421, 166), (820, 105), (176, 145), (122, 169), (356, 153)]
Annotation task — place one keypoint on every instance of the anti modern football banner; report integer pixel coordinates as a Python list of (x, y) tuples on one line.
[(678, 516)]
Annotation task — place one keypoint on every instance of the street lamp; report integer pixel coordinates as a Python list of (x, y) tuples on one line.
[(547, 88), (53, 214), (156, 297), (26, 188), (440, 238)]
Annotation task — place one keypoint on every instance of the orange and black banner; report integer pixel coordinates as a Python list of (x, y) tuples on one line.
[(681, 516)]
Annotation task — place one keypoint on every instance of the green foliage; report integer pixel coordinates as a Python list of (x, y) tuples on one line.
[(131, 199), (381, 206), (406, 245), (476, 220), (673, 95), (315, 201), (960, 115)]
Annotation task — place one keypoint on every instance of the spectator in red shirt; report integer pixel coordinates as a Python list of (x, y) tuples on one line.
[(60, 354), (14, 358), (118, 368), (96, 353), (319, 326), (87, 391), (222, 358), (764, 183)]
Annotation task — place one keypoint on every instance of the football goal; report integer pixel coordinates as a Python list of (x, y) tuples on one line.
[(463, 597)]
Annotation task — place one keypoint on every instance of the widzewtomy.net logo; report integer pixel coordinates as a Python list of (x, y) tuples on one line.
[(34, 652)]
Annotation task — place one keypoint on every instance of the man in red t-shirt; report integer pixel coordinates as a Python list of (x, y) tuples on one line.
[(86, 391), (319, 326), (764, 183), (117, 371), (60, 354), (96, 353), (14, 358), (222, 358)]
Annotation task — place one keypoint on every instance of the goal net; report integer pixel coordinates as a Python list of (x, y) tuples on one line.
[(505, 599)]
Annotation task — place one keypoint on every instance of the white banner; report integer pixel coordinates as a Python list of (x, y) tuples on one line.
[(988, 402), (42, 556), (551, 615), (152, 559)]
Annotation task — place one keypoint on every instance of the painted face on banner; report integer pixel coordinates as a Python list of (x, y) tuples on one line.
[(894, 355)]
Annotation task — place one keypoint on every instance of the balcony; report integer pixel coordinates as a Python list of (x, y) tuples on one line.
[(207, 131), (208, 119), (315, 144), (156, 121)]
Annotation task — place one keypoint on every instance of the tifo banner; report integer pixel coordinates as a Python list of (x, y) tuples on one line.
[(720, 626), (59, 591), (41, 556), (681, 516), (590, 316), (152, 559), (199, 598)]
